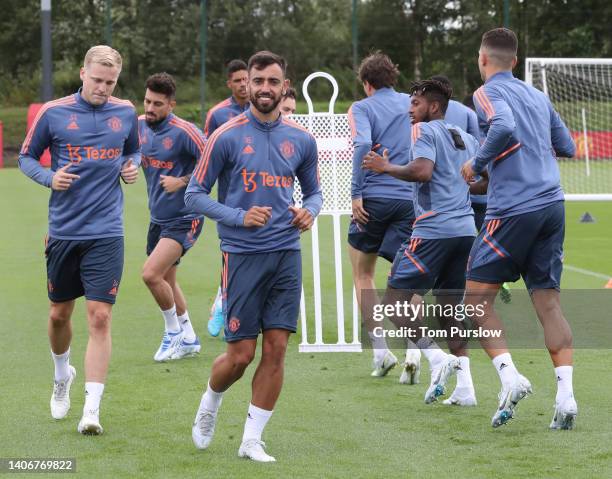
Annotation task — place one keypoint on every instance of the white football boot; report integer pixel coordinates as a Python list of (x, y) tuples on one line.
[(254, 449), (60, 399), (508, 400), (383, 366), (440, 376)]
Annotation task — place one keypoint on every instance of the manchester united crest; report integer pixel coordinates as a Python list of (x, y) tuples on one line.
[(167, 142), (114, 123), (287, 149), (234, 324)]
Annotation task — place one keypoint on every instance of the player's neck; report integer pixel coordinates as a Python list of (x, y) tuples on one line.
[(489, 73), (265, 117)]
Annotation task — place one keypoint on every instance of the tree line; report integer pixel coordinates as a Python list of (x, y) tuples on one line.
[(424, 37)]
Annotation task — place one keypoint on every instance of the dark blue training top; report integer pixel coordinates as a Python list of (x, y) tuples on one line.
[(256, 164), (172, 148), (96, 140)]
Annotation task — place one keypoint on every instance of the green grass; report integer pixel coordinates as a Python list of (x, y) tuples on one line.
[(332, 419)]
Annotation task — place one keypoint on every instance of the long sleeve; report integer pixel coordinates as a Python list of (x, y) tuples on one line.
[(361, 133), (490, 106), (37, 140), (197, 195), (308, 175), (560, 136)]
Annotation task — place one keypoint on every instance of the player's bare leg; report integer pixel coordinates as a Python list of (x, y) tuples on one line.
[(154, 274), (267, 384), (60, 336), (514, 386), (364, 269), (190, 343), (97, 359), (558, 339), (226, 370)]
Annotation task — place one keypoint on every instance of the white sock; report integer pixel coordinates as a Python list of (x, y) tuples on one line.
[(185, 323), (62, 365), (211, 400), (565, 388), (93, 396), (256, 420), (172, 325), (464, 376), (506, 369), (379, 346), (432, 351)]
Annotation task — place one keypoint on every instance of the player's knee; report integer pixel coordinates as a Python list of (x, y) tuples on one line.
[(58, 318), (150, 277), (99, 321), (242, 359)]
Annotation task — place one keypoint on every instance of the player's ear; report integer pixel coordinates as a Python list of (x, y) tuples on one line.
[(172, 104), (286, 84), (514, 62), (82, 73)]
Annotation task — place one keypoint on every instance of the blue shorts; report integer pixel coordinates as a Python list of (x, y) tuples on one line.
[(91, 268), (184, 232), (425, 264), (260, 291), (528, 245), (389, 225)]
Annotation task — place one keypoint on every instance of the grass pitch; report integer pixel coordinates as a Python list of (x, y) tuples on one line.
[(332, 419)]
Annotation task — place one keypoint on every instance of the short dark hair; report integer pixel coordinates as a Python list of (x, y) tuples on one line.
[(433, 90), (443, 79), (378, 70), (162, 83), (264, 58), (290, 93), (502, 45), (235, 66)]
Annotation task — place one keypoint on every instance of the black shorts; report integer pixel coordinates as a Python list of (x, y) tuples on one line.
[(389, 225), (90, 268), (528, 245)]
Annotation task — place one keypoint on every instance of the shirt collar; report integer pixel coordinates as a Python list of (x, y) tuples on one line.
[(235, 103), (500, 76), (266, 126), (81, 101), (162, 124), (383, 90)]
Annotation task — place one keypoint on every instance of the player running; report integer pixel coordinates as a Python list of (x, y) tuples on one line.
[(93, 139), (171, 148), (382, 205), (436, 254), (256, 158), (525, 221)]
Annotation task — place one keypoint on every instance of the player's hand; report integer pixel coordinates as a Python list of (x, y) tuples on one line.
[(62, 180), (257, 216), (467, 171), (129, 172), (360, 215), (170, 184), (376, 163), (302, 219)]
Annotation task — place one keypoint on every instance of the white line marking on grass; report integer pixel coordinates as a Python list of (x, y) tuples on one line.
[(587, 272)]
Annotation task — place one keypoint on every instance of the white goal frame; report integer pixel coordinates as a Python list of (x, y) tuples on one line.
[(541, 63)]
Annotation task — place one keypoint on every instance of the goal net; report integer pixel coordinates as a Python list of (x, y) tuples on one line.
[(581, 91)]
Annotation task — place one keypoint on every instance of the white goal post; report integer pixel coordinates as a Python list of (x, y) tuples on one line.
[(581, 91)]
